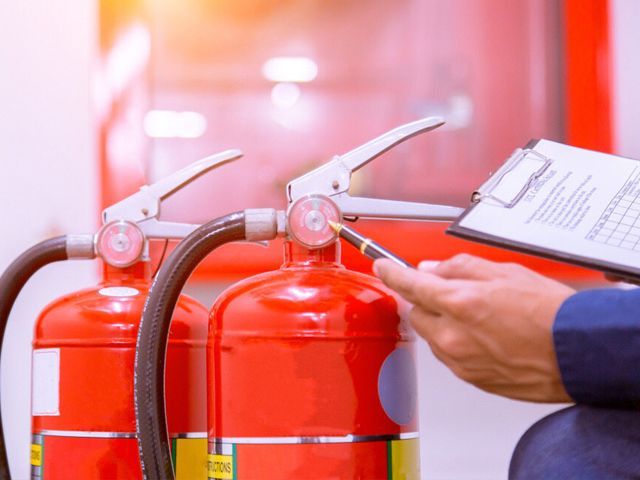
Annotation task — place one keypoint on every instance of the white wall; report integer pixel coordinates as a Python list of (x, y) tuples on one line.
[(48, 174), (625, 36)]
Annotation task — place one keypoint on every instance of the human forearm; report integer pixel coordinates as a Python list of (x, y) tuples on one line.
[(597, 341)]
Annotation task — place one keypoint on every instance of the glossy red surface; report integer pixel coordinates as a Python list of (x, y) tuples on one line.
[(588, 81), (298, 352), (96, 335), (370, 84), (334, 461), (91, 458)]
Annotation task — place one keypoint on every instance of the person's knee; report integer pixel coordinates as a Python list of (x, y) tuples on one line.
[(540, 452), (580, 442)]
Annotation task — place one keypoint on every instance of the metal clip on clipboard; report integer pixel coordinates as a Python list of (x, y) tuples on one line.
[(486, 191)]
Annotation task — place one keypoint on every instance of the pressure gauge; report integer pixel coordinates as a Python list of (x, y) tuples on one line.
[(308, 221), (120, 243)]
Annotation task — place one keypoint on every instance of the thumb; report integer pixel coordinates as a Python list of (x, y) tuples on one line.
[(402, 280), (419, 288)]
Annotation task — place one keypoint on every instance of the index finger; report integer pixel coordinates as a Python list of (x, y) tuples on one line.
[(420, 288)]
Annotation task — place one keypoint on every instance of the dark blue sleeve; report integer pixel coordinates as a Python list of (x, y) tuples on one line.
[(597, 340)]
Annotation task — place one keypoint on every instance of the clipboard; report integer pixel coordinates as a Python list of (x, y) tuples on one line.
[(605, 187)]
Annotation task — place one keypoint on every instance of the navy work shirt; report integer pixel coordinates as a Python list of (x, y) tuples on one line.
[(597, 340)]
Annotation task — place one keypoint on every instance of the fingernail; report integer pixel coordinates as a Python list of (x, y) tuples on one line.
[(428, 265)]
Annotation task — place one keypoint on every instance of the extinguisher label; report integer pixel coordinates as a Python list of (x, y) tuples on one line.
[(221, 464), (36, 455), (221, 467), (189, 457), (45, 377), (403, 460)]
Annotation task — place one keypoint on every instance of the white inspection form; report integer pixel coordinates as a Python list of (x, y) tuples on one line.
[(561, 202)]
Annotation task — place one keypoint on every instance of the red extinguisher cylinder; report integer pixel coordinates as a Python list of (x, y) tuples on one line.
[(311, 374), (83, 418)]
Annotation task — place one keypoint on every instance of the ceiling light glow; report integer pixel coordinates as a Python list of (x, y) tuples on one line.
[(173, 124), (285, 95), (290, 69)]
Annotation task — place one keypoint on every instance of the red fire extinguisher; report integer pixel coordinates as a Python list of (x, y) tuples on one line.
[(311, 370), (83, 416), (83, 420), (311, 374)]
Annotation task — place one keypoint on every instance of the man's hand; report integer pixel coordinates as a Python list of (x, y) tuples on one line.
[(490, 323)]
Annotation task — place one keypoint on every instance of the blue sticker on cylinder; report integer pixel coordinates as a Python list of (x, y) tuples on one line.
[(397, 387)]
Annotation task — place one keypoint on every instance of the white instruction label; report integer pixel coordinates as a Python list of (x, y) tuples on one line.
[(45, 382)]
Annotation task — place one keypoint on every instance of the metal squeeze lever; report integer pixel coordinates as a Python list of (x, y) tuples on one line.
[(322, 195), (333, 179), (130, 223)]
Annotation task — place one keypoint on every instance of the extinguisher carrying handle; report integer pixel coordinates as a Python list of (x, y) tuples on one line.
[(153, 334), (333, 179), (18, 274), (143, 207)]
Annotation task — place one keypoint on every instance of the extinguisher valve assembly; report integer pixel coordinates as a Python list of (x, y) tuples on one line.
[(322, 195), (130, 223)]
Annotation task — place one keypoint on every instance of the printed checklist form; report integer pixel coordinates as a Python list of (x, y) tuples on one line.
[(563, 203)]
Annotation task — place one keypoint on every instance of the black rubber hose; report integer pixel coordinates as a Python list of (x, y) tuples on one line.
[(153, 336), (11, 283)]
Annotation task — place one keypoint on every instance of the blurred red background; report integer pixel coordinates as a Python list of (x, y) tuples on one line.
[(177, 81)]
